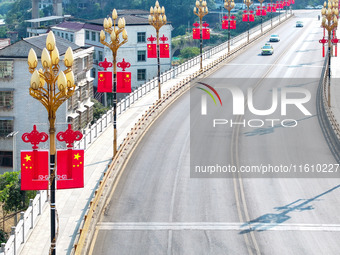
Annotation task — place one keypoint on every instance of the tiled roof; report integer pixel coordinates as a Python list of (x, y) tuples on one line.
[(72, 26), (62, 44), (95, 27), (132, 12), (131, 20), (21, 48)]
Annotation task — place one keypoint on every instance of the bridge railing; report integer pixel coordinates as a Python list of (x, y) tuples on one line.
[(92, 133)]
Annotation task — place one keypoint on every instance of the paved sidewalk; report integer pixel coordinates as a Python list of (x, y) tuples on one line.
[(72, 204)]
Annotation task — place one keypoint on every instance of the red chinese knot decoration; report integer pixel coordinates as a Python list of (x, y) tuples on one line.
[(35, 137), (69, 136), (105, 64)]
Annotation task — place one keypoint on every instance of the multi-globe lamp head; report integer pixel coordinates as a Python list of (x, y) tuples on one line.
[(49, 61)]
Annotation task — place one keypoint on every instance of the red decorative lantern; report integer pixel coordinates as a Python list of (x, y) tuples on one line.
[(251, 16), (70, 163), (335, 41), (151, 47), (245, 16), (164, 49), (123, 78), (34, 164), (205, 31), (323, 41), (196, 33), (105, 77)]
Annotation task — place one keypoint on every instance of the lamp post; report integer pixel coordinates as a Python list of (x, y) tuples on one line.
[(14, 162), (329, 22), (248, 3), (114, 30), (157, 19), (229, 5), (261, 1), (201, 10), (51, 99)]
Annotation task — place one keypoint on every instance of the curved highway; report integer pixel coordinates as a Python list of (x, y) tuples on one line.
[(161, 207)]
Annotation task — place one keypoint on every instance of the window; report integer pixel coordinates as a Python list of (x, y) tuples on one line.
[(141, 55), (66, 36), (71, 38), (94, 55), (58, 33), (100, 55), (6, 127), (87, 35), (93, 36), (98, 37), (141, 74), (93, 73), (6, 99), (62, 35), (141, 37), (6, 158), (6, 69)]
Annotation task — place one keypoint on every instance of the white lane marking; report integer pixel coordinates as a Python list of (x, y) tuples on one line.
[(215, 226), (292, 65)]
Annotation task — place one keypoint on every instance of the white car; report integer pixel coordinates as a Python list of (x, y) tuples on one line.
[(274, 38)]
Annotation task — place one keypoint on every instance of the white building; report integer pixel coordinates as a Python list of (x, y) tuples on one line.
[(134, 51), (19, 111)]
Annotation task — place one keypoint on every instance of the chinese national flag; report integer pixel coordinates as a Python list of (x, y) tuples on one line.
[(164, 51), (251, 18), (70, 169), (274, 8), (264, 12), (104, 82), (152, 50), (34, 170), (196, 33), (233, 24), (123, 82), (225, 24), (258, 12), (206, 33), (244, 17)]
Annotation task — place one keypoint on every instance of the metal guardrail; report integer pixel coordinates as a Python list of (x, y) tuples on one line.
[(111, 177), (328, 122), (23, 229)]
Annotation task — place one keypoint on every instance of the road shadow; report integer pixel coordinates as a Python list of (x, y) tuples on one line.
[(270, 220)]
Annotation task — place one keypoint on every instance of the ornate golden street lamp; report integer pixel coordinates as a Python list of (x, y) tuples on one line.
[(330, 23), (261, 1), (51, 99), (248, 3), (157, 19), (114, 30), (201, 10), (229, 5)]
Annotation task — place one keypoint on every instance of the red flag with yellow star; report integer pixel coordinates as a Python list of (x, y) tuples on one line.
[(34, 170), (123, 82), (152, 50), (206, 33), (104, 82), (196, 33), (70, 169), (164, 51)]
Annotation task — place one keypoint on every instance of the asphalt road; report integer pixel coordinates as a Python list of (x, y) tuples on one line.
[(157, 208)]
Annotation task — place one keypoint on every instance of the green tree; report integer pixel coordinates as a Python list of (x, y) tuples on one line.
[(15, 18), (98, 109), (11, 196), (189, 52)]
